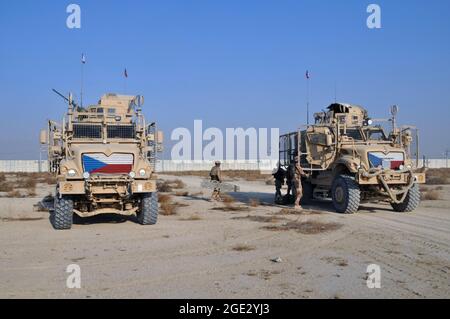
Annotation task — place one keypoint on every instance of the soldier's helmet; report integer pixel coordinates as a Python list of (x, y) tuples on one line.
[(217, 162)]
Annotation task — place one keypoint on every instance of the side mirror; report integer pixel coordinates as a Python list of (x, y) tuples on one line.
[(43, 137)]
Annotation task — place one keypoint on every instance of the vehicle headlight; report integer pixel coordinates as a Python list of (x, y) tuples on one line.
[(132, 174), (86, 175), (71, 172), (142, 172)]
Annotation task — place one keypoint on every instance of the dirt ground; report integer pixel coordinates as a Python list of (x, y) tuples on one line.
[(209, 250)]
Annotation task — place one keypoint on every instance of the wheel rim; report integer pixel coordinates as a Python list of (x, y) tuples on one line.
[(339, 194)]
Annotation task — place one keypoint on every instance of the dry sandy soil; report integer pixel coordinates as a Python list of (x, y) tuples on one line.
[(227, 254)]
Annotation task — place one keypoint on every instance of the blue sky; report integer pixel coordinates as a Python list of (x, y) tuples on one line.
[(229, 63)]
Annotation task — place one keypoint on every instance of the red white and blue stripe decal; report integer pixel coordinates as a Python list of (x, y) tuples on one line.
[(116, 163), (391, 160)]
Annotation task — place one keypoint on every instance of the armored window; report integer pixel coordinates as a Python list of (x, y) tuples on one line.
[(121, 131), (353, 133), (87, 131), (376, 135), (100, 110), (111, 111)]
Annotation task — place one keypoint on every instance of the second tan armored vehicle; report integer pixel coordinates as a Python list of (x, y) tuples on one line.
[(103, 157), (349, 160)]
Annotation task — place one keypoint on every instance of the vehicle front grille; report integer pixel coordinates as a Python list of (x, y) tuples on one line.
[(391, 160)]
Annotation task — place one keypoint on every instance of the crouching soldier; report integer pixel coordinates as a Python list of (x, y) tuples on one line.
[(216, 176)]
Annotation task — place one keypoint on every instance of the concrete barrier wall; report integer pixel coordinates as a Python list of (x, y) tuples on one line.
[(264, 166), (23, 166)]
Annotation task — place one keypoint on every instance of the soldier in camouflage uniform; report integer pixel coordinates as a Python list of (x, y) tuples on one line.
[(216, 175), (279, 174), (297, 182)]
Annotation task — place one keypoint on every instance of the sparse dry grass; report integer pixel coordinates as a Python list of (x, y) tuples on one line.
[(31, 193), (227, 199), (26, 182), (431, 195), (242, 247), (6, 186), (163, 187), (23, 183), (14, 194), (192, 217), (307, 228), (338, 261), (290, 211), (22, 219), (254, 202), (230, 204), (261, 219), (438, 176), (231, 208), (164, 198), (168, 186), (168, 209), (177, 184)]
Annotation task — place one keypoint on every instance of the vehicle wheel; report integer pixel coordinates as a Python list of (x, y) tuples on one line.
[(345, 194), (308, 189), (411, 202), (62, 216), (148, 211)]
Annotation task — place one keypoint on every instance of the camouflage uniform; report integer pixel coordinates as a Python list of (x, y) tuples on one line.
[(216, 175), (279, 176), (298, 184)]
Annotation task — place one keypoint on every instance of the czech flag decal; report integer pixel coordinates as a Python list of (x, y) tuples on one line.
[(114, 164), (391, 160)]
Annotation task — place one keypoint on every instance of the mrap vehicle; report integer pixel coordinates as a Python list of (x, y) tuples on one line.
[(350, 160), (103, 157)]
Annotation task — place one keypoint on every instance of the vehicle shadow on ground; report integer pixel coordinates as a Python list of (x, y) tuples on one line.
[(103, 219), (326, 206), (98, 219), (246, 197)]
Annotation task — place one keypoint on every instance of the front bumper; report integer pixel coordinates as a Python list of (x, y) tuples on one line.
[(394, 184), (390, 177), (122, 187)]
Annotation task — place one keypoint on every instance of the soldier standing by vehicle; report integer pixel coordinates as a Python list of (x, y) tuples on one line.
[(297, 181), (216, 176), (279, 175)]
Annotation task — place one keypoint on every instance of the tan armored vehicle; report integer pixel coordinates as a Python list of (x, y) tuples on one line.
[(350, 160), (104, 159)]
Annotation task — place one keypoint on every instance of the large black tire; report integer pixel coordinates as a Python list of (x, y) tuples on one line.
[(346, 194), (148, 210), (62, 217), (308, 190), (411, 202)]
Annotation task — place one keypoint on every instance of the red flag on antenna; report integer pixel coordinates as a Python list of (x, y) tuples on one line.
[(307, 74), (125, 73)]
